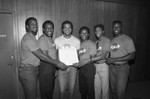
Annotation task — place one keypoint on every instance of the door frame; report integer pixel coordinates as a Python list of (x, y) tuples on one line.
[(16, 45)]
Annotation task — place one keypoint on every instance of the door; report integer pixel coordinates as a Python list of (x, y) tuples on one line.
[(8, 74)]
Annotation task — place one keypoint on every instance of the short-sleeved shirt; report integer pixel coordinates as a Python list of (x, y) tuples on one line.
[(28, 44), (89, 48), (46, 43), (121, 46), (67, 42), (103, 45)]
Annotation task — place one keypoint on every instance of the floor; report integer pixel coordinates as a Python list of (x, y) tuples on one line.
[(135, 90), (138, 90)]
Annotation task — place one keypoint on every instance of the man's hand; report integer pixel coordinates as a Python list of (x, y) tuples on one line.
[(100, 62), (110, 60), (84, 62), (62, 66), (76, 64)]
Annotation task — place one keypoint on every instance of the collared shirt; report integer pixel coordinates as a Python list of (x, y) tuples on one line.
[(46, 43), (29, 44), (121, 46), (89, 48)]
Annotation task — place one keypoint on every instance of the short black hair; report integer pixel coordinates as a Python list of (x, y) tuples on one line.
[(29, 19), (67, 22), (84, 28), (117, 22), (47, 22), (100, 26)]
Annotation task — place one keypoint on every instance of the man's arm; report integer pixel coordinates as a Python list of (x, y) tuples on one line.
[(46, 58), (102, 56), (84, 62), (45, 52), (94, 58), (125, 58)]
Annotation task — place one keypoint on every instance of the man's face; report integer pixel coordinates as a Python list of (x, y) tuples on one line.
[(48, 30), (117, 29), (98, 32), (67, 29), (84, 34), (33, 27)]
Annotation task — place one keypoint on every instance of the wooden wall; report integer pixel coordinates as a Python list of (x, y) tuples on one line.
[(135, 19)]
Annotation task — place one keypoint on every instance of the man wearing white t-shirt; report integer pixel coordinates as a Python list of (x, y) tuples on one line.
[(67, 43)]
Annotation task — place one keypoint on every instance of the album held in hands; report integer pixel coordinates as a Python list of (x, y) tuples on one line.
[(68, 55)]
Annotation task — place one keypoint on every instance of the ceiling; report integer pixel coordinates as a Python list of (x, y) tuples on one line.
[(138, 2)]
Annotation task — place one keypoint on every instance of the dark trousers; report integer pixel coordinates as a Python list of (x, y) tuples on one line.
[(118, 80), (86, 81), (46, 80)]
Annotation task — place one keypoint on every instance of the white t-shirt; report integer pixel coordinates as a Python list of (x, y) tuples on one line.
[(67, 49), (61, 42)]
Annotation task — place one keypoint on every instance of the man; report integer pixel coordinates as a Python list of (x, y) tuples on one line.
[(30, 59), (122, 51), (87, 69), (102, 69), (46, 70), (67, 78)]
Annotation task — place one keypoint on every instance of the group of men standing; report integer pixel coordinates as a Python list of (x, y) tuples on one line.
[(100, 63)]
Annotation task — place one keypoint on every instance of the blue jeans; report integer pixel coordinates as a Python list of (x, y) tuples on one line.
[(118, 80), (28, 79), (67, 80)]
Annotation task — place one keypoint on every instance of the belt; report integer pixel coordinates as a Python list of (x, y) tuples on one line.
[(27, 67), (100, 62), (117, 65)]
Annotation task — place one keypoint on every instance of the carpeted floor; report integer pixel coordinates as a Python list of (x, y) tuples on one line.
[(135, 90), (138, 90)]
